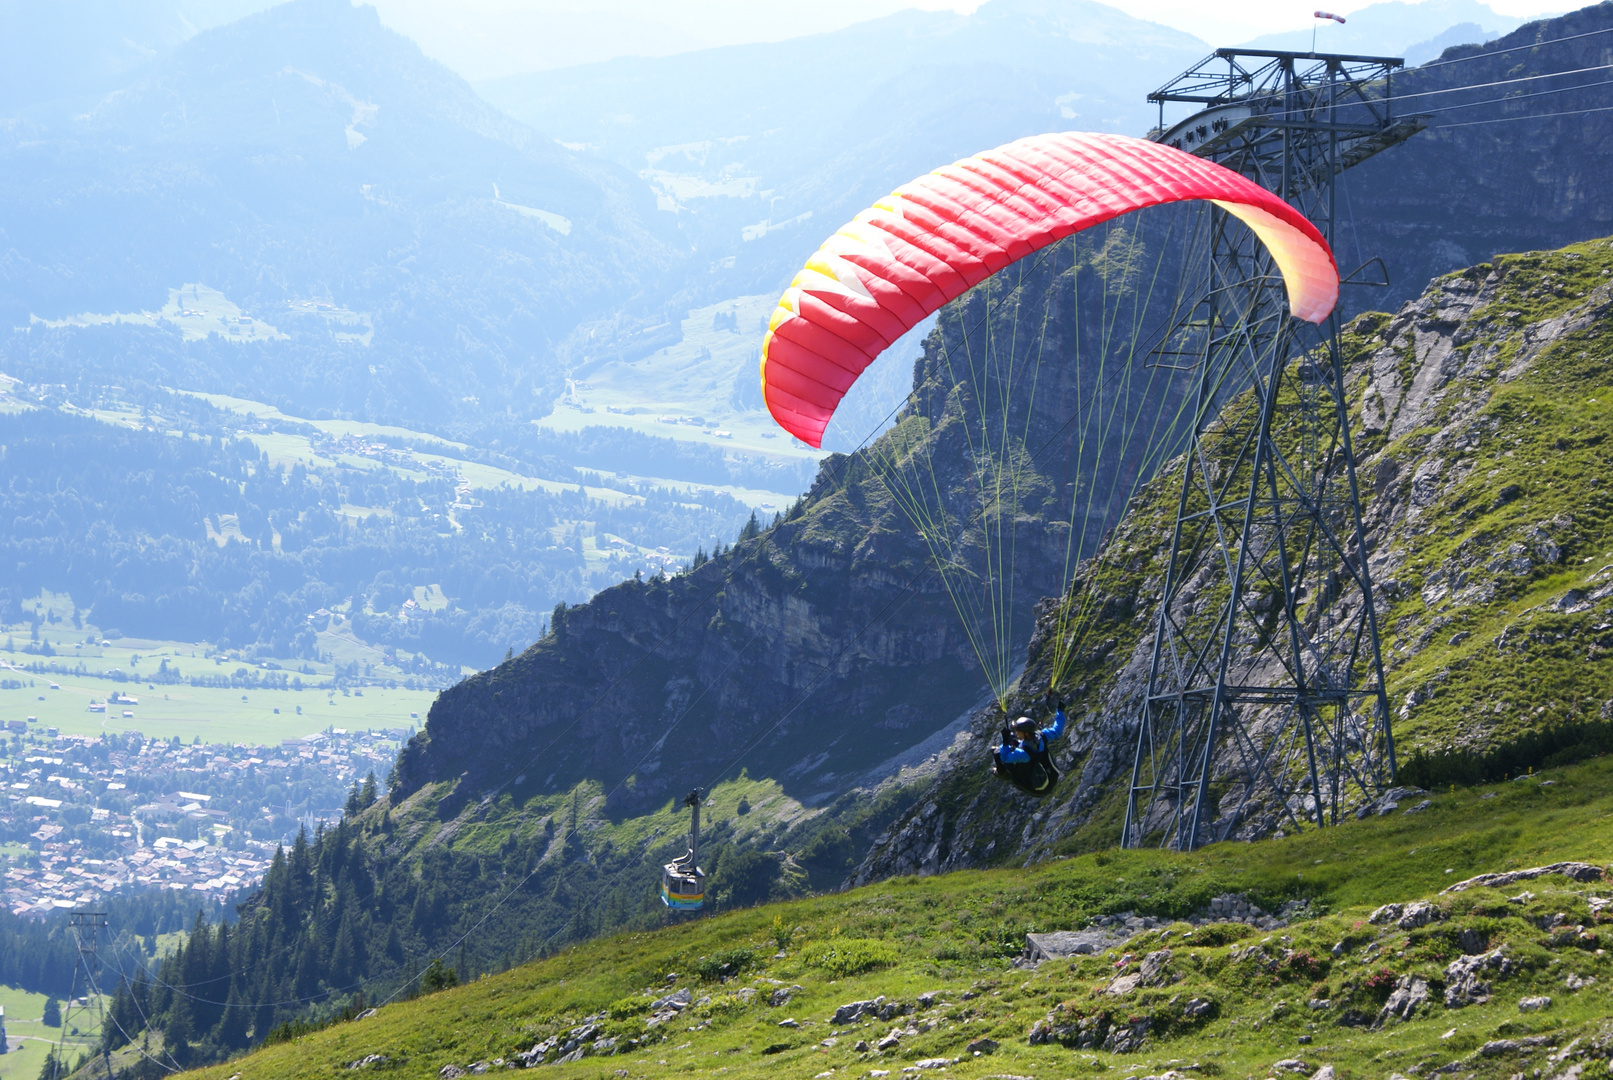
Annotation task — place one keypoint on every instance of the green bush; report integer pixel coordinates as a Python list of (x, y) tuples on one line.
[(724, 963), (782, 933), (1550, 747), (1381, 982), (627, 1007), (841, 958), (1302, 965), (1221, 933)]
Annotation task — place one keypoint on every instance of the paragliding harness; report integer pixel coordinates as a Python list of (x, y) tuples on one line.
[(1036, 777)]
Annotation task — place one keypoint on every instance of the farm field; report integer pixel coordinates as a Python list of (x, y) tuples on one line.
[(287, 449), (196, 310), (28, 1040), (337, 643), (702, 390), (216, 714), (706, 389), (245, 407)]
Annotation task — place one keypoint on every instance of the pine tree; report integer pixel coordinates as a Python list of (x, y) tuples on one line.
[(233, 1027), (344, 955), (179, 1029), (121, 1019), (438, 977)]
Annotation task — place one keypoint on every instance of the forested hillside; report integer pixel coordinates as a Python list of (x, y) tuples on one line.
[(41, 955), (183, 528), (342, 919)]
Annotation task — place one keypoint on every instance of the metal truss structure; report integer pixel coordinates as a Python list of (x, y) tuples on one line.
[(86, 928), (1265, 705)]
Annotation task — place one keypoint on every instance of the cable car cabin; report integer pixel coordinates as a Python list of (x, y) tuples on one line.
[(682, 889), (683, 883)]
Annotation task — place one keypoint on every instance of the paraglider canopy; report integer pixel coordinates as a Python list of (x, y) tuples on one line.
[(933, 239)]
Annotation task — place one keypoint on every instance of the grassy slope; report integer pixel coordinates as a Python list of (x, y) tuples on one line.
[(1497, 655), (626, 852), (1527, 458), (954, 933)]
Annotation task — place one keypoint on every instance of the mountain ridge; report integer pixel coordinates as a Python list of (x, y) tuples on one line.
[(306, 151), (1436, 389), (826, 124)]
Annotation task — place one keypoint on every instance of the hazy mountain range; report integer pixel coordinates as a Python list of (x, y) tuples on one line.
[(464, 258), (1419, 32), (299, 208)]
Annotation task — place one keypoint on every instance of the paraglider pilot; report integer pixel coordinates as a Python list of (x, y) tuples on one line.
[(1024, 759)]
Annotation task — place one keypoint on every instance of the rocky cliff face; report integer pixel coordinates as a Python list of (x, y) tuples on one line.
[(828, 642), (1508, 166), (1487, 411)]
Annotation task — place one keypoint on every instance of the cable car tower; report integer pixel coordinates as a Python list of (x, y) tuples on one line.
[(1265, 704), (87, 927), (683, 883)]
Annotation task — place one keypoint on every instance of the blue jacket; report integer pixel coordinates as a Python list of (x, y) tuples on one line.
[(1013, 755)]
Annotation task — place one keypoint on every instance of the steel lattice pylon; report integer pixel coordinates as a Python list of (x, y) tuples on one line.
[(1265, 698)]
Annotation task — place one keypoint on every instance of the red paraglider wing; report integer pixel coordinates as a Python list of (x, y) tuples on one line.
[(935, 238)]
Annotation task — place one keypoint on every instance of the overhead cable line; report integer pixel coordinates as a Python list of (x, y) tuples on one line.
[(1400, 98), (1503, 52), (907, 589), (1530, 116), (755, 634), (1520, 97)]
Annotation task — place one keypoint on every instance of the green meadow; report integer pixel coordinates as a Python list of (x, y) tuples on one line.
[(164, 710), (28, 1040)]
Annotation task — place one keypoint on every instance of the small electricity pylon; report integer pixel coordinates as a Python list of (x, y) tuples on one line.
[(86, 927), (1265, 704)]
